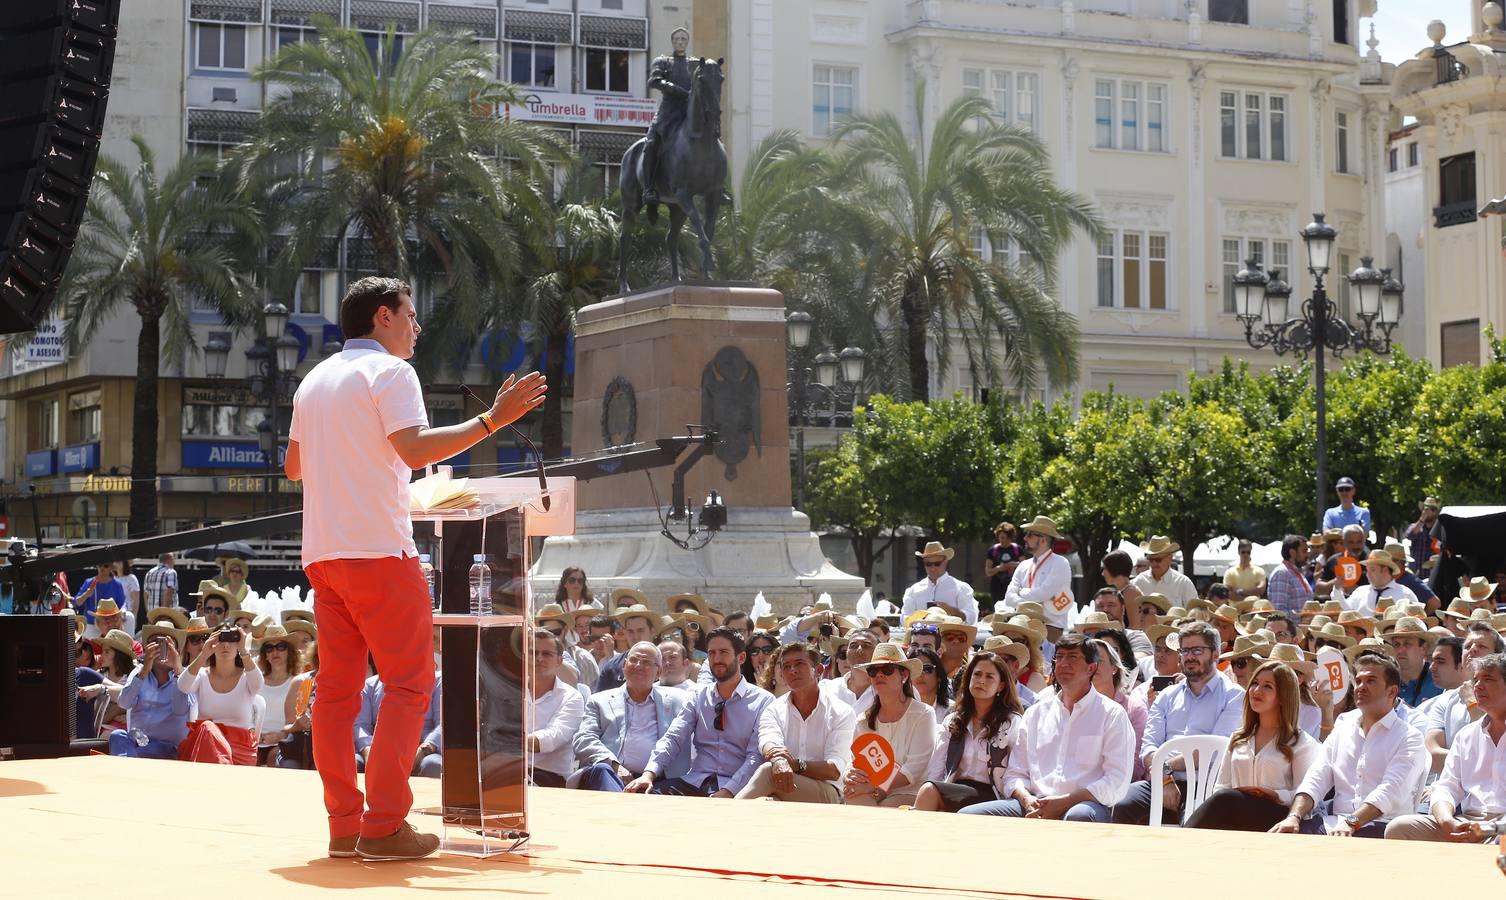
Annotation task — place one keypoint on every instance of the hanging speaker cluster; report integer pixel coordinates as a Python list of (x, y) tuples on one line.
[(55, 62)]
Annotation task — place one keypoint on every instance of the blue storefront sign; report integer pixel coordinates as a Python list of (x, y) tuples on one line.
[(79, 458), (227, 455), (41, 463)]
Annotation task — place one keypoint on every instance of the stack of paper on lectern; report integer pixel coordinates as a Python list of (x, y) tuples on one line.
[(440, 491)]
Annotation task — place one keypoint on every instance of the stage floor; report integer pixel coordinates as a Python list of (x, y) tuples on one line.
[(262, 830)]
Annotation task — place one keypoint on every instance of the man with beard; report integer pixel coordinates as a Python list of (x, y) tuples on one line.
[(1419, 536), (720, 723), (1203, 702)]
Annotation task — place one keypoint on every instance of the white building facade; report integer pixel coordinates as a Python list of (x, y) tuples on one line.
[(1206, 132)]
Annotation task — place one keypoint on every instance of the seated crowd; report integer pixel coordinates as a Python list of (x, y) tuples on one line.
[(1030, 711)]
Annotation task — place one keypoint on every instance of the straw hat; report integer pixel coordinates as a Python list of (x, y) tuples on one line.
[(934, 548), (152, 632), (1293, 656), (1333, 631), (636, 597), (1156, 632), (1382, 558), (1404, 609), (1315, 541), (1411, 626), (274, 634), (1459, 608), (1369, 645), (1032, 609), (1357, 619), (1173, 614), (1398, 552), (1159, 601), (1494, 620), (1332, 534), (235, 615), (1042, 525), (1246, 646), (1477, 589), (588, 609), (637, 609), (705, 624), (695, 600), (297, 615), (1003, 646), (107, 607), (260, 625), (196, 625), (1256, 622), (178, 617), (1200, 603), (1227, 613), (1098, 621), (300, 626), (766, 623), (1160, 545), (1033, 632), (120, 642), (552, 612), (953, 623), (1262, 605), (210, 588), (934, 615), (888, 654)]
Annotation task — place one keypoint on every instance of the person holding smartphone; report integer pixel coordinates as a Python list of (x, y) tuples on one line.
[(226, 694), (1268, 757), (159, 711)]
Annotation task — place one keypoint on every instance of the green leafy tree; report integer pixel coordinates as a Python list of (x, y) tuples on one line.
[(408, 154), (150, 244), (914, 210), (1455, 442)]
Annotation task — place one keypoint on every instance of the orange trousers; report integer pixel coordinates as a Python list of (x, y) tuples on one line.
[(380, 606), (212, 742)]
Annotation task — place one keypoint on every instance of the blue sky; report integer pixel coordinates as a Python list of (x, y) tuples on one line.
[(1401, 25)]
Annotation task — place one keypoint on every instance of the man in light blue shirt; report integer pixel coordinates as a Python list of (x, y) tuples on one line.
[(1203, 702), (719, 724), (159, 712), (1347, 512)]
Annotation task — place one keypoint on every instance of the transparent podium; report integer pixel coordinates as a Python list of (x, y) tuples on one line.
[(486, 660)]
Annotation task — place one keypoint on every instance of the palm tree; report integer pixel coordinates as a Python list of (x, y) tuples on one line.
[(915, 211), (568, 262), (406, 153), (151, 244)]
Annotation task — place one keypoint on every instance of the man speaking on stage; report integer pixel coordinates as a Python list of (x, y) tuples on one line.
[(359, 430)]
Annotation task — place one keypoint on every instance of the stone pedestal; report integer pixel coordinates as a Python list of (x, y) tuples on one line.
[(646, 365)]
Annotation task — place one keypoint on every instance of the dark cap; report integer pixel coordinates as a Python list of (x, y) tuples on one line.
[(1345, 482)]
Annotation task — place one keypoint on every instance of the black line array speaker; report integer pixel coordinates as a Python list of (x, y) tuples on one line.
[(55, 62), (37, 686)]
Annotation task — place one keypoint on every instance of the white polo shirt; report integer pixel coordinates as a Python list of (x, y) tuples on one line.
[(355, 486)]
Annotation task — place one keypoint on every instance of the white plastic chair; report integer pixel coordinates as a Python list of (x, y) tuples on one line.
[(1204, 754), (258, 715)]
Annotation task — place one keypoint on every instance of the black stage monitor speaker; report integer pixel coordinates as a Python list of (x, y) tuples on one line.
[(37, 689), (55, 62)]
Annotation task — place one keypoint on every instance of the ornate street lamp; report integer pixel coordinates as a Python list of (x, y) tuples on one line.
[(1263, 301), (830, 380)]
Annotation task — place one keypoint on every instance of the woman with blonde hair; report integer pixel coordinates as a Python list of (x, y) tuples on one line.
[(1268, 756)]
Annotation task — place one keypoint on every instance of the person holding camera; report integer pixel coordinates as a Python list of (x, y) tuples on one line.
[(224, 732), (159, 711)]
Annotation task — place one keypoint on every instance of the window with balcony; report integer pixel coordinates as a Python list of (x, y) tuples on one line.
[(1456, 191), (219, 47), (1130, 115)]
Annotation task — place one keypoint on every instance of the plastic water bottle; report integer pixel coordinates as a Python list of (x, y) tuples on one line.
[(426, 565), (139, 738), (481, 587)]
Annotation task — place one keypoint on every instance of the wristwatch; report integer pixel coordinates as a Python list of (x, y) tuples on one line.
[(799, 767), (1353, 820)]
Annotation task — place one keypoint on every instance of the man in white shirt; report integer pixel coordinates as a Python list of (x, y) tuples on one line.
[(557, 711), (1380, 571), (622, 725), (1161, 578), (1372, 761), (359, 430), (805, 736), (674, 668), (1044, 578), (855, 688), (939, 588), (1472, 789), (1074, 751)]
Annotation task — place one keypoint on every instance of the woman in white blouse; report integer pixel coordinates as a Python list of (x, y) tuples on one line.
[(224, 731), (280, 662), (898, 716), (1268, 756), (972, 748)]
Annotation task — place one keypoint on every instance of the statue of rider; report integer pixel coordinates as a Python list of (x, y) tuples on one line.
[(670, 76)]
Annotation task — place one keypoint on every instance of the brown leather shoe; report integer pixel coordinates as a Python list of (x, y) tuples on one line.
[(343, 847), (405, 843)]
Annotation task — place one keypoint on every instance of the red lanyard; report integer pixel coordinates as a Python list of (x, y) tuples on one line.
[(1037, 568)]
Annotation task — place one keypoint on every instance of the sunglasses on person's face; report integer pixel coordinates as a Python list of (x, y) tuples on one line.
[(928, 669), (760, 651), (217, 610), (885, 669), (1240, 664), (1334, 644), (197, 639), (275, 648), (720, 722), (575, 579)]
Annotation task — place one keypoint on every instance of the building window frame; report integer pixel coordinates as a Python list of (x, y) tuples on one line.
[(223, 39), (616, 77), (1271, 117), (85, 416), (536, 53), (827, 109), (1132, 114), (1015, 94), (42, 424), (1269, 253), (1130, 267), (1342, 151)]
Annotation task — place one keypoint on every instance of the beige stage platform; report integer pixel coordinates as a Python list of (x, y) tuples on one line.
[(119, 828)]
